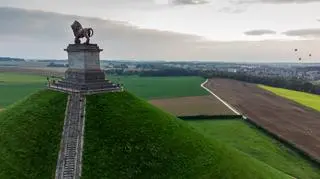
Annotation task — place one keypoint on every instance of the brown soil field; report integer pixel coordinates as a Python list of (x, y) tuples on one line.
[(194, 105), (287, 119)]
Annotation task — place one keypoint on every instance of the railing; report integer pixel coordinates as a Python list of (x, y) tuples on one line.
[(71, 89)]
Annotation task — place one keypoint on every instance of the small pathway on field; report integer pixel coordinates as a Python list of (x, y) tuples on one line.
[(229, 106), (70, 156), (225, 103)]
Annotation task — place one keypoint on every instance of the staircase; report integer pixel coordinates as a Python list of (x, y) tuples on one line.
[(70, 156)]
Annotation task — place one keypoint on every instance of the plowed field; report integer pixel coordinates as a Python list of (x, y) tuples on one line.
[(289, 120)]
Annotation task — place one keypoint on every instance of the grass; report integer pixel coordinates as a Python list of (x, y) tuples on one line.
[(161, 87), (15, 86), (307, 99), (128, 138), (30, 133), (249, 140), (7, 77)]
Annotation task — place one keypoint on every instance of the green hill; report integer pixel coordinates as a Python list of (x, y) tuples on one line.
[(30, 134), (126, 137)]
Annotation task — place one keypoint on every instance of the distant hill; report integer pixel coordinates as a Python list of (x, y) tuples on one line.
[(9, 59)]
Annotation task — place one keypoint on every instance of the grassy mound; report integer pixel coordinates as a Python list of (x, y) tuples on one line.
[(250, 140), (128, 138), (30, 134)]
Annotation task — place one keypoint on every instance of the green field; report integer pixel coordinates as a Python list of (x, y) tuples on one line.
[(128, 138), (14, 87), (161, 87), (30, 133), (307, 99), (249, 140)]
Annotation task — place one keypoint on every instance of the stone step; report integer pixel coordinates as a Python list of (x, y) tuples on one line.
[(69, 164)]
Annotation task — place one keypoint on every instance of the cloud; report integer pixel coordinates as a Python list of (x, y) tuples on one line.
[(38, 34), (232, 10), (273, 1), (260, 32), (188, 2), (306, 33)]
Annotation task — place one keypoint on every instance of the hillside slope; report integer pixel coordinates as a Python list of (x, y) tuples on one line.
[(30, 132), (126, 137)]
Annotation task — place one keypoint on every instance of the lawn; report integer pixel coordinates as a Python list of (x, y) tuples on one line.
[(249, 140), (161, 87), (15, 86), (307, 99), (30, 132), (128, 138)]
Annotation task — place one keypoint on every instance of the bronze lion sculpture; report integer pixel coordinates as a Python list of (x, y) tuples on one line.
[(80, 32)]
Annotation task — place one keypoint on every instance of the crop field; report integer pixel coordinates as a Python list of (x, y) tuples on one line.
[(251, 141), (15, 86), (193, 105), (161, 87), (290, 121), (307, 99)]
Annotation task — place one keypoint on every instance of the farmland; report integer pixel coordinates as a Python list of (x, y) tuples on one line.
[(184, 96), (15, 86), (192, 105), (251, 141), (161, 87), (307, 99), (288, 120)]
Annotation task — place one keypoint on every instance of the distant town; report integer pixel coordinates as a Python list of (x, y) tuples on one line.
[(304, 72)]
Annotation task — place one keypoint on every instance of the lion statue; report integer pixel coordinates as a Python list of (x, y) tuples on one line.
[(80, 32)]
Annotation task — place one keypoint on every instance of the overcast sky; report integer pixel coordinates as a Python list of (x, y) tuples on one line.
[(217, 30)]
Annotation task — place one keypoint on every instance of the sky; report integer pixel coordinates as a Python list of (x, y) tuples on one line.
[(213, 30)]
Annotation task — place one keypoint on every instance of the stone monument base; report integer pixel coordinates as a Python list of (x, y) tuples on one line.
[(84, 73)]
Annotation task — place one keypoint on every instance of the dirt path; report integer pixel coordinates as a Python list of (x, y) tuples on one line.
[(287, 119)]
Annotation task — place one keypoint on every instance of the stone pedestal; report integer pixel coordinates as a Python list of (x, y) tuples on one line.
[(84, 72), (84, 64)]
